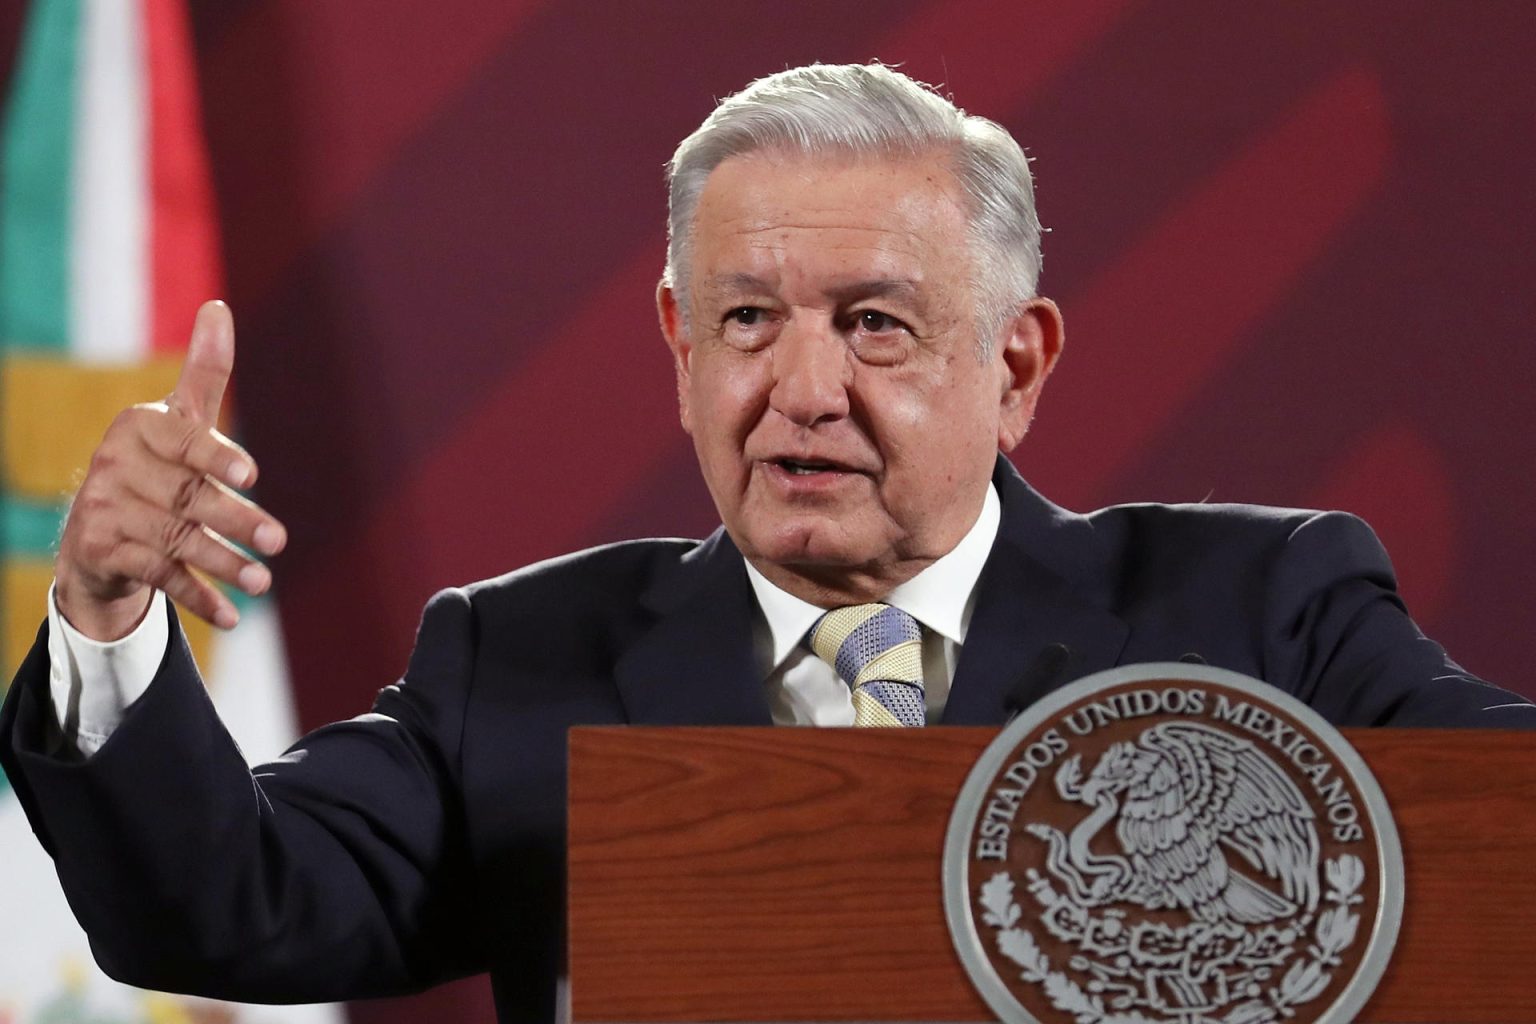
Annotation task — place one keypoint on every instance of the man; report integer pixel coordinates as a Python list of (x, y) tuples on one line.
[(850, 306)]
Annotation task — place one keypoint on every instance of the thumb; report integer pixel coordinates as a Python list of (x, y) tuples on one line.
[(210, 359)]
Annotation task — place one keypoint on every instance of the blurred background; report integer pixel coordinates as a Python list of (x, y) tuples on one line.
[(1291, 241)]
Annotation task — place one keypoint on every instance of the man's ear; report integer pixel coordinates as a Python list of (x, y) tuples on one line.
[(1027, 350), (672, 329)]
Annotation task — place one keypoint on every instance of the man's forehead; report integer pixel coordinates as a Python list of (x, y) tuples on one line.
[(868, 220), (836, 183)]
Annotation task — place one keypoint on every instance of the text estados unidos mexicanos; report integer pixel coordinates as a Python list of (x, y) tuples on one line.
[(995, 824)]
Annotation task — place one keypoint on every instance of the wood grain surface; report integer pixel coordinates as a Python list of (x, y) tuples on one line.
[(793, 874)]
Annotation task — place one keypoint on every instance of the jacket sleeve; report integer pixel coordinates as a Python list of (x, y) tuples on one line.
[(1341, 639), (339, 870)]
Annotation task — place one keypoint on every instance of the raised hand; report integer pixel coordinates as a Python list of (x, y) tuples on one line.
[(158, 502)]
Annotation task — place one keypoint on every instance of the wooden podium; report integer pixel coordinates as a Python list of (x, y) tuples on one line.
[(794, 874)]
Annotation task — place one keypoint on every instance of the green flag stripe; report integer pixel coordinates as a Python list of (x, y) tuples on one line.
[(36, 157), (29, 529), (36, 147)]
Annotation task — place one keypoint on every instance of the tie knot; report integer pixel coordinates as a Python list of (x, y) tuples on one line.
[(858, 639), (878, 651)]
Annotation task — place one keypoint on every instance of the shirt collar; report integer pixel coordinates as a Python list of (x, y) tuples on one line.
[(940, 597)]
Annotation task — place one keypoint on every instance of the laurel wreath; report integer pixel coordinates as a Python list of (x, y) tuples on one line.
[(1337, 929)]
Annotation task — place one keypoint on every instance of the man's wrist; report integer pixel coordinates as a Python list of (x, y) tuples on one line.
[(100, 621)]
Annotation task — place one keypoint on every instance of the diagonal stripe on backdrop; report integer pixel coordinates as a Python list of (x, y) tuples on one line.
[(1291, 191), (1400, 482), (359, 108), (993, 56)]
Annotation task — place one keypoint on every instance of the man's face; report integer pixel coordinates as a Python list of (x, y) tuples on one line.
[(829, 370)]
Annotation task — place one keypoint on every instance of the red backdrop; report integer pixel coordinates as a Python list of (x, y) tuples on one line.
[(1290, 239)]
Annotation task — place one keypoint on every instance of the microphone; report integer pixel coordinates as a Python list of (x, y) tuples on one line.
[(1191, 658), (1045, 671)]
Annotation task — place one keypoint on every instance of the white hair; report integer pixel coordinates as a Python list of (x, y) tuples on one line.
[(872, 110)]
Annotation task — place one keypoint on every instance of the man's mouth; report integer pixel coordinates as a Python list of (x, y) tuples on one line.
[(800, 468)]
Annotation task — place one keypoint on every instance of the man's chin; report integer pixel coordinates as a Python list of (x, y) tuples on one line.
[(814, 541), (816, 549)]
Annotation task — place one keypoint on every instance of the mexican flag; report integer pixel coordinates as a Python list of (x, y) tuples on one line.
[(108, 244)]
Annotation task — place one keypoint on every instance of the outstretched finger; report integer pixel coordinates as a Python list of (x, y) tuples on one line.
[(210, 360), (203, 499), (182, 442), (196, 595), (193, 545)]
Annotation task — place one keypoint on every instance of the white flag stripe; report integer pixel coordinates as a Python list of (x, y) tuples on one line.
[(248, 680), (109, 250)]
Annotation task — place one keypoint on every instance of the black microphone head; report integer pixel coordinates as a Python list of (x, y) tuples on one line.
[(1191, 658), (1054, 657), (1042, 673)]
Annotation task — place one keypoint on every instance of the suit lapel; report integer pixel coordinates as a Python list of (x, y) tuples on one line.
[(695, 665), (1041, 585)]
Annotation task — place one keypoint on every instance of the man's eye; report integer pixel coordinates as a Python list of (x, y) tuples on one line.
[(876, 322), (746, 316)]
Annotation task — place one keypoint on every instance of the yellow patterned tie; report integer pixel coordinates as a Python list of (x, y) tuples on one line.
[(878, 651)]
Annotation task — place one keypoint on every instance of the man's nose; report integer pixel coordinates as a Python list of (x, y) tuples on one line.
[(811, 374)]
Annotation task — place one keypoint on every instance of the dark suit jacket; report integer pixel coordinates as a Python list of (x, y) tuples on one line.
[(425, 840)]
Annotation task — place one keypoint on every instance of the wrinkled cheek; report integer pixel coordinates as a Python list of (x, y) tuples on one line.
[(719, 438), (908, 433), (736, 408)]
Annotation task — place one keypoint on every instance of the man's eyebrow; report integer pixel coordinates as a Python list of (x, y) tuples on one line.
[(878, 288), (901, 288)]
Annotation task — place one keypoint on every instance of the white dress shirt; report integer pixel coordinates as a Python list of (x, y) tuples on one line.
[(92, 683)]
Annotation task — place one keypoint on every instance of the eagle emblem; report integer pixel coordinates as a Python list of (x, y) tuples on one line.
[(1172, 844), (1203, 823)]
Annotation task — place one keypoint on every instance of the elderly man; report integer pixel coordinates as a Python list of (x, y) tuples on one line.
[(850, 307)]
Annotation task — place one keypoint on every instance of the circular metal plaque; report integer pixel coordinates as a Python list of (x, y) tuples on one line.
[(1172, 843)]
